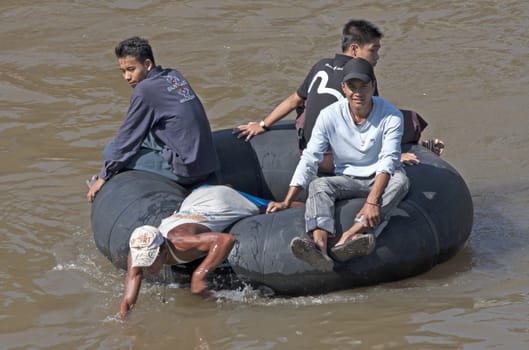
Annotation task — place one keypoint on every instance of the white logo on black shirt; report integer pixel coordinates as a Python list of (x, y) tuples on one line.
[(322, 86)]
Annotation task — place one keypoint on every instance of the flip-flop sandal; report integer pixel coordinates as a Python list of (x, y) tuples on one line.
[(362, 244), (436, 146), (306, 250)]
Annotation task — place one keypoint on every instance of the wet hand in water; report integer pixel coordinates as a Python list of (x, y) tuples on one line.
[(207, 294), (200, 288)]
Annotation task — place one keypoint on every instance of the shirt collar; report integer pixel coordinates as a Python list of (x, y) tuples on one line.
[(155, 71)]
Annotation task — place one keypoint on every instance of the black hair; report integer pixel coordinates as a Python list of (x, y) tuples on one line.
[(359, 31), (136, 47)]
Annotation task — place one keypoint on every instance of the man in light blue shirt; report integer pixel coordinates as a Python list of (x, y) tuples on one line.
[(364, 132)]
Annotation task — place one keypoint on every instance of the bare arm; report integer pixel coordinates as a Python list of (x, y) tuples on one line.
[(219, 246), (132, 288), (282, 110), (191, 246), (286, 203)]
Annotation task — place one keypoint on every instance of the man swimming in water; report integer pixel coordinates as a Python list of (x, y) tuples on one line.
[(191, 233)]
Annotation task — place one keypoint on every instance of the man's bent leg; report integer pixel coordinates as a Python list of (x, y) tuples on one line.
[(393, 194), (150, 158), (358, 240), (322, 195), (395, 191), (320, 238)]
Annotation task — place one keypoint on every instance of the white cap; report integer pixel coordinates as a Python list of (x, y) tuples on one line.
[(145, 242)]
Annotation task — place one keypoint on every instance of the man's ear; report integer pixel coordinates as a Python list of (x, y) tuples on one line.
[(148, 64), (344, 85), (353, 48)]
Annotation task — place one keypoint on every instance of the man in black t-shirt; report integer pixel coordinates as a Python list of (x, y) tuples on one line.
[(322, 86)]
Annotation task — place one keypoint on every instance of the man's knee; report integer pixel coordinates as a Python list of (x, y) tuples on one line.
[(320, 184), (399, 183), (403, 181)]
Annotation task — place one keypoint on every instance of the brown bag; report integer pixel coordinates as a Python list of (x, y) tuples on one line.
[(414, 124)]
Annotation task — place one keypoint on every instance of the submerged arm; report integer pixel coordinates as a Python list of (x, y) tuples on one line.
[(218, 246), (131, 289)]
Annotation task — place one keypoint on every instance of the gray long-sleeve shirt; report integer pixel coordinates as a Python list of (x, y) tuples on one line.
[(165, 105), (358, 150)]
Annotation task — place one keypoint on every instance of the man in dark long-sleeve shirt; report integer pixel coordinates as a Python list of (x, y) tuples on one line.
[(166, 129)]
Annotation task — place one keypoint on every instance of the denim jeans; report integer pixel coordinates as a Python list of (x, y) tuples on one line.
[(325, 191), (149, 158)]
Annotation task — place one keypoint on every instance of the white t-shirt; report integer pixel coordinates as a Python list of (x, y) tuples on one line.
[(215, 207)]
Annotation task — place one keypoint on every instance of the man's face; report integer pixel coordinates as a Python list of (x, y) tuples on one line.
[(368, 52), (156, 266), (358, 93), (133, 71)]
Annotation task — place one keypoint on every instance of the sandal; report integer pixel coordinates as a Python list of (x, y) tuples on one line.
[(435, 145), (306, 250), (359, 245)]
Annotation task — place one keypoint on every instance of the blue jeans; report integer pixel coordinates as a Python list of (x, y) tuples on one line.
[(149, 158), (325, 191)]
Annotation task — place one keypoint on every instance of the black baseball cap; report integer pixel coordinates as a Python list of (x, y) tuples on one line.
[(358, 68)]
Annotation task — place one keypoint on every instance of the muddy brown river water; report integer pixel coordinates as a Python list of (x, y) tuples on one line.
[(463, 65)]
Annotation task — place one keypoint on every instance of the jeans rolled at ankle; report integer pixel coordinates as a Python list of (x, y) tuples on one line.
[(325, 191)]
